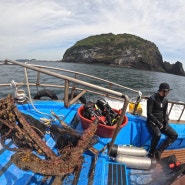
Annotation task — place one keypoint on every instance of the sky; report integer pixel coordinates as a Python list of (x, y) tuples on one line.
[(45, 29)]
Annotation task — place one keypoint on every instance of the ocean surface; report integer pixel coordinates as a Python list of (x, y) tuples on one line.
[(145, 81)]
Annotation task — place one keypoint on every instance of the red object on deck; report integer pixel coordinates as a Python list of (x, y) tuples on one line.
[(175, 164), (102, 129)]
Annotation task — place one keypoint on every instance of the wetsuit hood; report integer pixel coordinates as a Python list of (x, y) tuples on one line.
[(164, 87)]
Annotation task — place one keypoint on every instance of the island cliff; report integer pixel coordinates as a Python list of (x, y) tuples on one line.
[(124, 50)]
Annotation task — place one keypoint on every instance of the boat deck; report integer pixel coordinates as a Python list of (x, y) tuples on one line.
[(180, 153)]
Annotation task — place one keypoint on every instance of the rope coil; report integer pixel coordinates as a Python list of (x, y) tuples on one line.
[(20, 95)]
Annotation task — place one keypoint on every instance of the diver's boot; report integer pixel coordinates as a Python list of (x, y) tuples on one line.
[(158, 155), (150, 154)]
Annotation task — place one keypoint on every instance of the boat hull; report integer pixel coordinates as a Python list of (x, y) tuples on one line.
[(102, 170)]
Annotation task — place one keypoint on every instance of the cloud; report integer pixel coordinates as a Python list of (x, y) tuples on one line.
[(45, 29)]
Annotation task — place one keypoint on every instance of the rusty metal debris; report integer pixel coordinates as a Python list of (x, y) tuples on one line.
[(14, 125)]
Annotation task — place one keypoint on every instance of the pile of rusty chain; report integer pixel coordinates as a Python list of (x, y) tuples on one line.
[(14, 125)]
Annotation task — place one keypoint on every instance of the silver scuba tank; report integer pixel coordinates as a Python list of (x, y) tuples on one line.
[(136, 162), (127, 150)]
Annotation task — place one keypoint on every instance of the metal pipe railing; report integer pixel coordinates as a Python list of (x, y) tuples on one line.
[(95, 89), (83, 74), (90, 76), (118, 124), (68, 79), (80, 82)]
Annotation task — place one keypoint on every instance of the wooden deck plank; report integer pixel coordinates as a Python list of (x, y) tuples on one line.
[(180, 154)]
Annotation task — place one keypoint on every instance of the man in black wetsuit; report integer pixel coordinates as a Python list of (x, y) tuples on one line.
[(157, 120)]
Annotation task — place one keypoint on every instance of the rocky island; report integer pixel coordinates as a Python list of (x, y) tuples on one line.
[(124, 50)]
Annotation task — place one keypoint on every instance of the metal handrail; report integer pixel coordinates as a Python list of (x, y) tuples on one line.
[(109, 93), (86, 75), (111, 84), (80, 82), (86, 85)]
